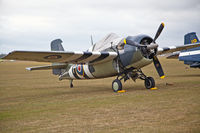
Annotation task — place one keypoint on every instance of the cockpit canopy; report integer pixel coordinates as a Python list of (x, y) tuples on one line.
[(107, 41)]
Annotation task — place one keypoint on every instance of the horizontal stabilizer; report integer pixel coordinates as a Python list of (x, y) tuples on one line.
[(58, 66)]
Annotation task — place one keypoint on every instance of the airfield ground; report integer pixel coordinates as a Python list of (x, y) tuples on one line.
[(37, 102)]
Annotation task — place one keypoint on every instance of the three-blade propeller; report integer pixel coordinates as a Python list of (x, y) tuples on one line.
[(153, 45)]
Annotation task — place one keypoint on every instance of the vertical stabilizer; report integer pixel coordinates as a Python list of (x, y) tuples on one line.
[(190, 38), (56, 46)]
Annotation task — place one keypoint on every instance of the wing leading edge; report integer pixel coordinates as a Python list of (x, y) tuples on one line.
[(62, 56)]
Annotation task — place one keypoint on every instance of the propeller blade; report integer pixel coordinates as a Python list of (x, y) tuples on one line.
[(158, 67), (159, 31)]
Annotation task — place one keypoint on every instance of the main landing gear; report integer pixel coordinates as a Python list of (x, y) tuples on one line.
[(133, 74)]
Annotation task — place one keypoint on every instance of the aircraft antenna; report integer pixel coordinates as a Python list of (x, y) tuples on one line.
[(91, 40)]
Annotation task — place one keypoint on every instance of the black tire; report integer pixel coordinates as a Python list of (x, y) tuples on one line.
[(116, 85), (71, 85), (149, 82)]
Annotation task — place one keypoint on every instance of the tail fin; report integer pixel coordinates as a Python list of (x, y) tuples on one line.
[(56, 46), (190, 38)]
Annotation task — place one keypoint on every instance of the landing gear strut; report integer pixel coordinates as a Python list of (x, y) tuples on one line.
[(149, 82), (127, 73), (116, 84)]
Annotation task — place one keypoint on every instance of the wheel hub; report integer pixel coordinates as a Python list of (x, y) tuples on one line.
[(115, 86)]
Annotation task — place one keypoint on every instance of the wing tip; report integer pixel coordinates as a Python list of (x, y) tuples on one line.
[(6, 57), (28, 68)]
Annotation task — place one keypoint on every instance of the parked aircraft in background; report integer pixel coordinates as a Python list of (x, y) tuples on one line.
[(190, 56), (111, 56)]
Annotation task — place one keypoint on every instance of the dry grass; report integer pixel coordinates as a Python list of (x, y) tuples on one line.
[(37, 102)]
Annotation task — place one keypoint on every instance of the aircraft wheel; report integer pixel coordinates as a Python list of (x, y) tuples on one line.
[(116, 85), (71, 85), (149, 83)]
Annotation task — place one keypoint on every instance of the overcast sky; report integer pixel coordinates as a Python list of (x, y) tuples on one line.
[(33, 24)]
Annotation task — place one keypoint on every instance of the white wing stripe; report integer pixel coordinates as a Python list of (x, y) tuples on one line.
[(94, 56), (172, 47), (160, 49), (110, 56)]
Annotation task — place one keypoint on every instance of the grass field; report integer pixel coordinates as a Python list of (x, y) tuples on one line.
[(37, 102)]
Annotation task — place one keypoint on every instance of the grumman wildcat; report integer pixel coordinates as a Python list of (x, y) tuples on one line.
[(122, 57)]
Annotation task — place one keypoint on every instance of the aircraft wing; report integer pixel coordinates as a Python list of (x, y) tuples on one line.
[(62, 56), (173, 55), (171, 49)]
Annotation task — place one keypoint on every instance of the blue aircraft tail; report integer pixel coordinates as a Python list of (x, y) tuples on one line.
[(192, 60), (190, 38)]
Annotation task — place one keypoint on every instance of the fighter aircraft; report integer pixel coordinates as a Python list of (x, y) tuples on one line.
[(190, 56), (111, 56)]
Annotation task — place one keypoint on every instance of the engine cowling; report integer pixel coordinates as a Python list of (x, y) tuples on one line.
[(147, 48)]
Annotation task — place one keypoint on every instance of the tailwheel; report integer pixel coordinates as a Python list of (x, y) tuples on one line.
[(71, 83), (116, 85), (149, 82)]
